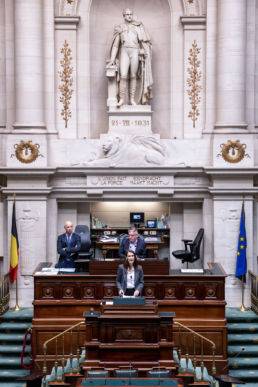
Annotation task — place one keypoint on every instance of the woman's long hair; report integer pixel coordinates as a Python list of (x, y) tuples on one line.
[(135, 262)]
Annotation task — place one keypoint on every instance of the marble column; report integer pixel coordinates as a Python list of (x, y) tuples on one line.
[(28, 15), (52, 213), (226, 218), (211, 35), (231, 65), (2, 67), (207, 222)]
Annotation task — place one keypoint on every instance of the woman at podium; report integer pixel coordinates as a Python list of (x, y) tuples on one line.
[(130, 279)]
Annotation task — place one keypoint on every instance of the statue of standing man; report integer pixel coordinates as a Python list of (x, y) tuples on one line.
[(130, 55)]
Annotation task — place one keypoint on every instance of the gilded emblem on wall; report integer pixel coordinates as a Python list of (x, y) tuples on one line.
[(26, 151), (233, 151)]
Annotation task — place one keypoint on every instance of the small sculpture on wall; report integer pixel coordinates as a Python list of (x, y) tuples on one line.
[(233, 151), (26, 151), (130, 59)]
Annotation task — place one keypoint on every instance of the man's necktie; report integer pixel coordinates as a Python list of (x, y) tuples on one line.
[(69, 241)]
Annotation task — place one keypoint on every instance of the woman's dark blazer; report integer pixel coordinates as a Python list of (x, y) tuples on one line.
[(121, 278)]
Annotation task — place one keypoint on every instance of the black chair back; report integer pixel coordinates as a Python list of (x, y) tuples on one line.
[(197, 244), (84, 233)]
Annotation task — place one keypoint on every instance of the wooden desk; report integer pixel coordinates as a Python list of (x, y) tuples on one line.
[(198, 301), (109, 267), (106, 246), (136, 334)]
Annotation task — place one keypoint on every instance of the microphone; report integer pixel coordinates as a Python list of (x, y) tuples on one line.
[(159, 372)]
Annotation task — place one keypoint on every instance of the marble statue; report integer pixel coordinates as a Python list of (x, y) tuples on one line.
[(130, 57), (117, 151)]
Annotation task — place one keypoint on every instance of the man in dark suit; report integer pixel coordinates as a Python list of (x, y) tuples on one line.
[(68, 245), (134, 243)]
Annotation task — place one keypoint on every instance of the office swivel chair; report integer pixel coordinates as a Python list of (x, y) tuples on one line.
[(192, 253), (84, 233)]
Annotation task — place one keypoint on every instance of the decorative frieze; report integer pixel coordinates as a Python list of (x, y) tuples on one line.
[(193, 82), (131, 181), (66, 82)]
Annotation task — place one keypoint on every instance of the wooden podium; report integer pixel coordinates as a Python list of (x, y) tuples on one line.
[(120, 335)]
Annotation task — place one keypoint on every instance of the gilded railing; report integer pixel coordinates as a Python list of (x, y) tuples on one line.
[(254, 291), (75, 329), (202, 338), (4, 294)]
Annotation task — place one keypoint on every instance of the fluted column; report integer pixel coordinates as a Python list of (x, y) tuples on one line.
[(2, 67), (29, 64), (231, 65)]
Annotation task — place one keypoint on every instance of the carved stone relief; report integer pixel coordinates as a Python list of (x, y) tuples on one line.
[(129, 151), (131, 181), (68, 7), (31, 236), (226, 219), (193, 7)]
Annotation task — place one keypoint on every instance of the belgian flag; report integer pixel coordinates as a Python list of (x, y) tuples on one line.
[(14, 253)]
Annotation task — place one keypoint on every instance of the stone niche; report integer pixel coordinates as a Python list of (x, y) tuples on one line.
[(156, 16)]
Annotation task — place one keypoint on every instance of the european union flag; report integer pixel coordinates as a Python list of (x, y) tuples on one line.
[(241, 250)]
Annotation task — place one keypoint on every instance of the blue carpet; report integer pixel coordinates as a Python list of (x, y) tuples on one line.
[(12, 330), (243, 346)]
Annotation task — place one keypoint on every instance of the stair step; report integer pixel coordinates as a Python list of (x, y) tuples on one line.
[(13, 374), (13, 384), (244, 362), (11, 338), (234, 315), (234, 350), (13, 362), (25, 314), (246, 385), (245, 375), (243, 339), (14, 349), (14, 327), (242, 327)]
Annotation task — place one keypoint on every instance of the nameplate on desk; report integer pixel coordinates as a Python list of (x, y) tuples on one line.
[(129, 300), (46, 272), (192, 271), (66, 269)]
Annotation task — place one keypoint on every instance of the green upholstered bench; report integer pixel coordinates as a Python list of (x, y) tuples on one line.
[(127, 373), (159, 373), (129, 382), (97, 374)]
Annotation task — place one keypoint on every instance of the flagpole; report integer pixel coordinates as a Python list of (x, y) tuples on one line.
[(242, 307), (17, 307), (241, 264)]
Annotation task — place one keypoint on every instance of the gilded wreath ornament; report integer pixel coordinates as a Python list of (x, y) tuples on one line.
[(233, 151), (26, 151)]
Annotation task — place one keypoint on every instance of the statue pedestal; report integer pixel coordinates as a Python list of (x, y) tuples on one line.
[(129, 119)]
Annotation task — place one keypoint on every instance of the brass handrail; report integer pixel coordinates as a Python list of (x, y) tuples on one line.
[(4, 293), (254, 291), (62, 335), (203, 338)]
